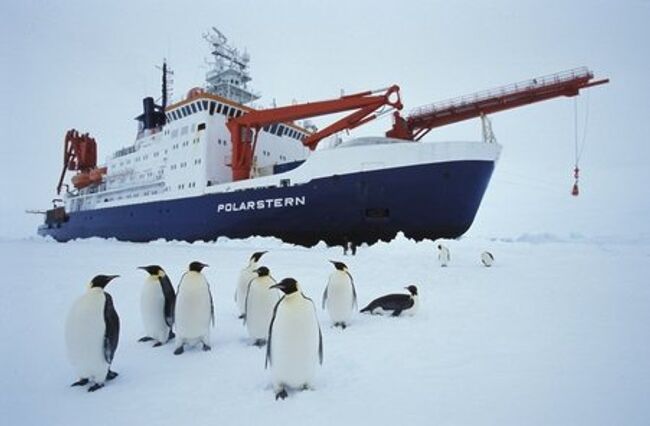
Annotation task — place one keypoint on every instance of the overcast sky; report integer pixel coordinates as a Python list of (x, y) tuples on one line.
[(88, 64)]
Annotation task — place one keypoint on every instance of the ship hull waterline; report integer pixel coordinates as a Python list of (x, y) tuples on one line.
[(437, 200)]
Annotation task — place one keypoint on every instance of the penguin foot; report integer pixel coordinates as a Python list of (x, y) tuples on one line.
[(340, 324), (179, 350), (95, 387), (145, 339), (171, 335), (80, 382), (155, 345), (242, 316), (397, 312), (111, 375), (305, 387), (259, 342), (281, 395), (206, 348)]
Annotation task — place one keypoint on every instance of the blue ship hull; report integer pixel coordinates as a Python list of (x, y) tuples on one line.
[(437, 200)]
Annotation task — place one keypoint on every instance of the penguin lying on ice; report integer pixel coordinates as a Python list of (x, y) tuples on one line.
[(487, 258), (92, 331), (340, 296), (194, 309), (245, 277), (395, 304), (157, 306), (295, 343)]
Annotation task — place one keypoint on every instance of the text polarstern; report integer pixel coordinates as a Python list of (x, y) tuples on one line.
[(268, 203)]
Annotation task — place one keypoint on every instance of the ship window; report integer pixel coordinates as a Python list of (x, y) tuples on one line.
[(194, 110), (212, 105), (201, 126), (155, 154), (274, 128), (232, 112), (199, 106), (280, 130), (174, 133), (205, 105), (226, 110), (266, 128)]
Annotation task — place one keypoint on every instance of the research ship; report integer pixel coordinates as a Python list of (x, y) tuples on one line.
[(214, 164)]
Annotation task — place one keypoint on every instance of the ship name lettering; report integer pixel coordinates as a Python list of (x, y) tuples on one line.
[(268, 203)]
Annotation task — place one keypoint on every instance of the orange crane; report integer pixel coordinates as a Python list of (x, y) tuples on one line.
[(245, 129), (421, 120)]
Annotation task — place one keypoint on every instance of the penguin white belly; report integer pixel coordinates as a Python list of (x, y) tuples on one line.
[(245, 277), (340, 299), (84, 336), (152, 308), (261, 301), (295, 341), (193, 309)]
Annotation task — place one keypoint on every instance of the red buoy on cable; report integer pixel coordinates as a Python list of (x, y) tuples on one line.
[(575, 191)]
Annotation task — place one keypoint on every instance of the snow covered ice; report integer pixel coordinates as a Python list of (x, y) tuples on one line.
[(556, 332)]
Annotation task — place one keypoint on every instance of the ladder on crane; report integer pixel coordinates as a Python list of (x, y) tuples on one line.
[(422, 120)]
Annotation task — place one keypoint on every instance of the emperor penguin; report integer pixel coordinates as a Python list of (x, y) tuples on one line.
[(487, 258), (443, 255), (260, 301), (340, 296), (194, 309), (395, 304), (245, 277), (295, 342), (92, 331), (157, 306)]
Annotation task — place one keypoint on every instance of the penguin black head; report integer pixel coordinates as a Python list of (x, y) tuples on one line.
[(197, 266), (287, 285), (412, 289), (439, 246), (262, 271), (255, 257), (339, 265), (101, 281), (152, 269)]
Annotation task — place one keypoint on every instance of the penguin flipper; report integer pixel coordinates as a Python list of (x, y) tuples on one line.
[(112, 332), (320, 346), (211, 303), (396, 312), (354, 292), (325, 295), (248, 290), (267, 359), (170, 299)]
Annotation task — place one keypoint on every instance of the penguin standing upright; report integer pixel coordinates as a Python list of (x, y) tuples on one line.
[(295, 344), (157, 306), (395, 304), (260, 301), (245, 277), (92, 331), (340, 296), (194, 309), (443, 255), (487, 258)]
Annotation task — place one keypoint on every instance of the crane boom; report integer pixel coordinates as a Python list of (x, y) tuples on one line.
[(421, 120), (245, 128)]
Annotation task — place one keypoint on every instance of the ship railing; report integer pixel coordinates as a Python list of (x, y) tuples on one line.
[(522, 86)]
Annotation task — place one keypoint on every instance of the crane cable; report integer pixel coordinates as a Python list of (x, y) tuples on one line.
[(578, 149)]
